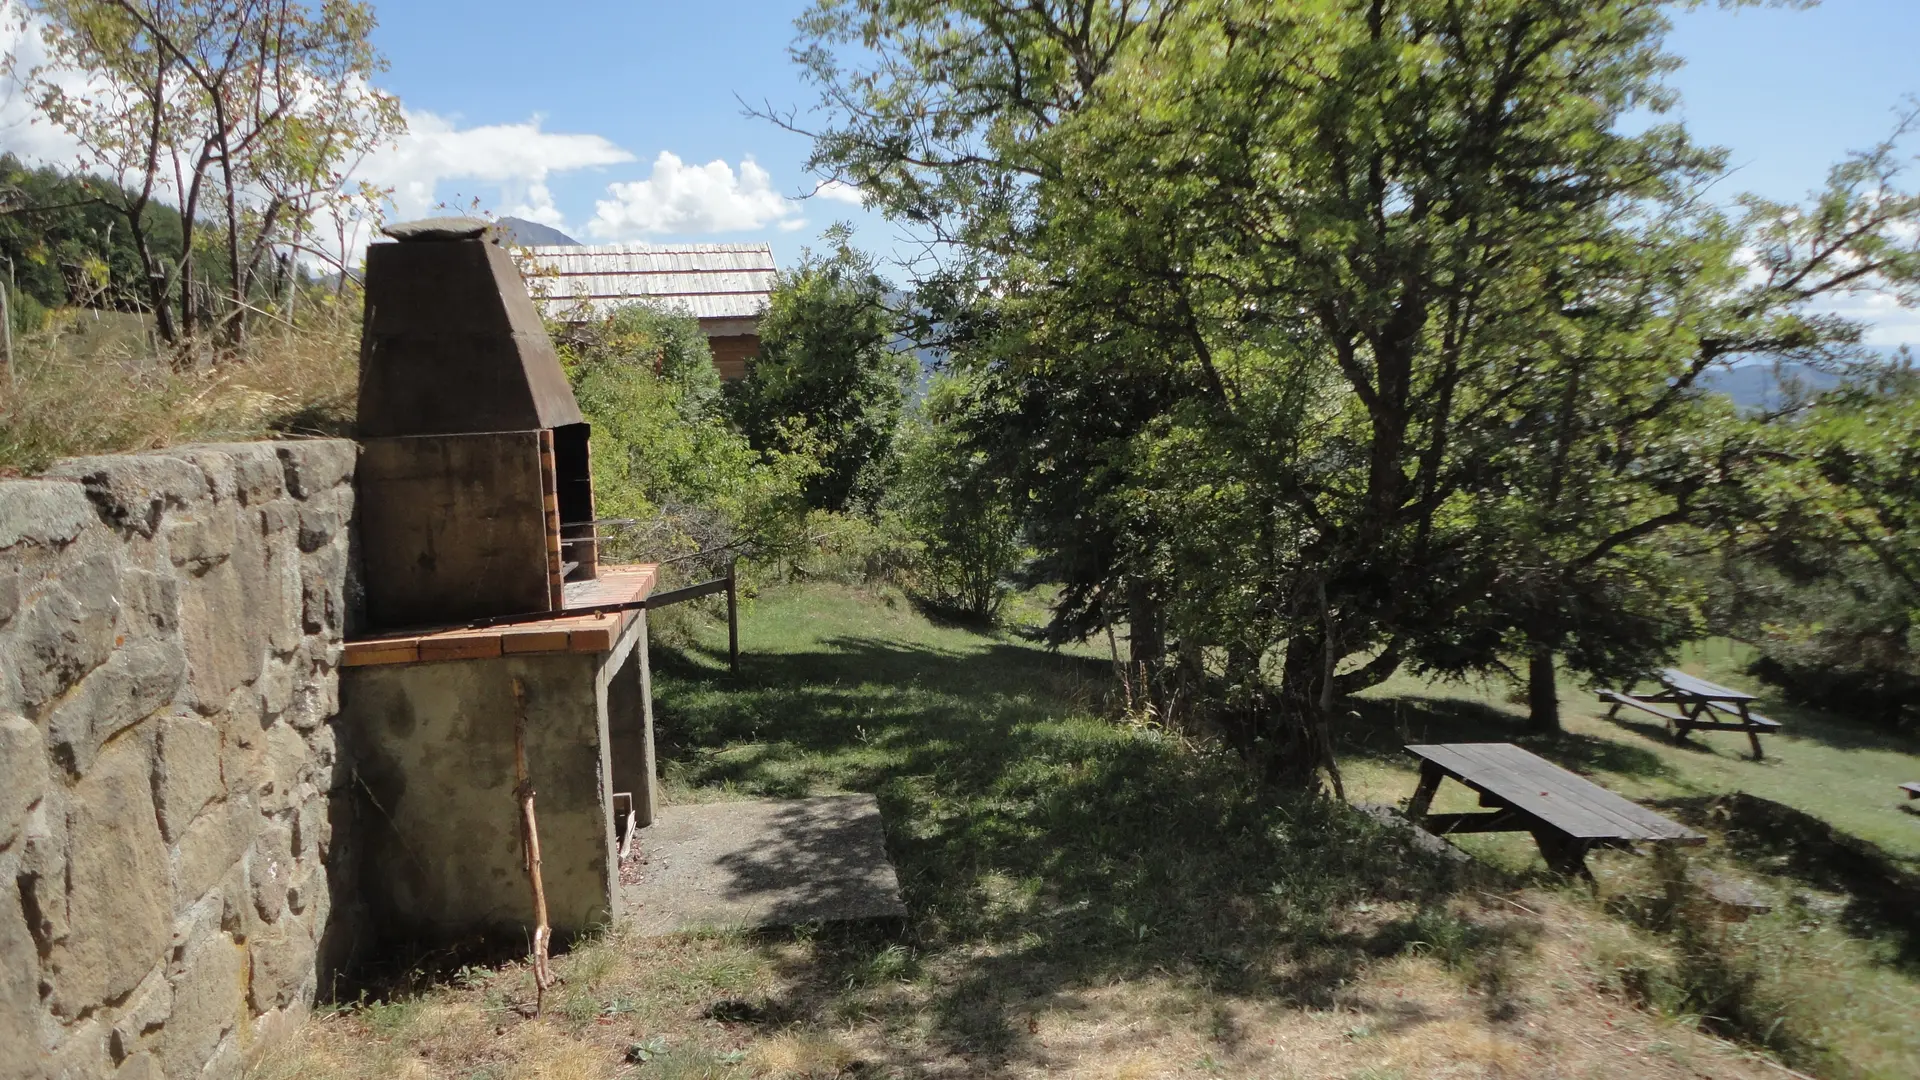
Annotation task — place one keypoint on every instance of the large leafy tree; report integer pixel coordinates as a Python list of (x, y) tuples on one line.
[(245, 114), (829, 375), (1333, 336)]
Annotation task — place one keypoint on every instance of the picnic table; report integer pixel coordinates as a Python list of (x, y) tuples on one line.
[(1568, 815), (1912, 790), (1702, 705)]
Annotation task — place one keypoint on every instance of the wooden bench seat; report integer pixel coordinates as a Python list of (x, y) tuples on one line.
[(1754, 720), (1630, 701), (1912, 790)]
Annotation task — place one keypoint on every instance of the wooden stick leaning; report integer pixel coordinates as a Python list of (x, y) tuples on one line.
[(530, 838)]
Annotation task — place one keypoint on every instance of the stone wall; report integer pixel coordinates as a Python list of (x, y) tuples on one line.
[(170, 624)]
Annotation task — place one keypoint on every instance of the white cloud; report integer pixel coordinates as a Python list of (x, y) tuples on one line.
[(515, 158), (1887, 323), (23, 130), (681, 199), (839, 191)]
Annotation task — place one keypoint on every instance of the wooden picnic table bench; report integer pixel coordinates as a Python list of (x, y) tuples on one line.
[(1568, 815), (1912, 790), (1701, 705)]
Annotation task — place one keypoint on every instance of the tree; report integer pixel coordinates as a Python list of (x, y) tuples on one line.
[(957, 507), (246, 113), (827, 363), (53, 226), (1299, 313), (664, 453)]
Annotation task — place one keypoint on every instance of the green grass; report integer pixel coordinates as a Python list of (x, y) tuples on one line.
[(1839, 770), (1061, 848), (1093, 897)]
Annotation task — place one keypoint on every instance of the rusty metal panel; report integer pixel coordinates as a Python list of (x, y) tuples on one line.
[(453, 343), (451, 528)]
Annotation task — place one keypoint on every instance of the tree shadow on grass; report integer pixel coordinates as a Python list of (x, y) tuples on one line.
[(1040, 850)]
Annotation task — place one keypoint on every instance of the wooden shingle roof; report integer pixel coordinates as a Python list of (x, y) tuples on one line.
[(707, 281)]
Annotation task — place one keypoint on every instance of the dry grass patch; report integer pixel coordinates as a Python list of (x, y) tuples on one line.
[(93, 383)]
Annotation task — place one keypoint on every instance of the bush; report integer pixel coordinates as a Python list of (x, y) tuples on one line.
[(663, 451), (827, 370), (959, 512)]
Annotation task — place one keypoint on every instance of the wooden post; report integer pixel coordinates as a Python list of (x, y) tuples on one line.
[(530, 837), (733, 617), (6, 328), (1430, 777)]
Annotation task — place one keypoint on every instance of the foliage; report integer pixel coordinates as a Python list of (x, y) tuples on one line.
[(958, 509), (826, 365), (1834, 600), (248, 116), (1351, 333), (663, 450), (55, 227)]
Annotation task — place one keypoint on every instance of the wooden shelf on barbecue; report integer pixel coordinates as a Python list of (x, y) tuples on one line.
[(546, 634)]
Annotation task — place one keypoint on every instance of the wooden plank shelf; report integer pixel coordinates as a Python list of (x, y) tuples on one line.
[(590, 633)]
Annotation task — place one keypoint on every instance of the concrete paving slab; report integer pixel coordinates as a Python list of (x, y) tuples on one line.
[(756, 863)]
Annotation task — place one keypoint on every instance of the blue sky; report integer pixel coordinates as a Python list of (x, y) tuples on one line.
[(623, 120)]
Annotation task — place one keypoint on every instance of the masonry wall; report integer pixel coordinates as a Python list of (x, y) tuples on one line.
[(170, 791)]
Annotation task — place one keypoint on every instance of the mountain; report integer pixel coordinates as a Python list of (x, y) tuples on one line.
[(1762, 385), (524, 233)]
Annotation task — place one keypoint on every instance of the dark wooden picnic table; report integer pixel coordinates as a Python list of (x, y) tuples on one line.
[(1701, 706), (1568, 815)]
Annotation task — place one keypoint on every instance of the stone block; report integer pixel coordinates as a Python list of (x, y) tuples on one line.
[(81, 1054), (207, 1003), (288, 766), (276, 689), (243, 739), (42, 873), (147, 1008), (23, 775), (131, 492), (258, 476), (117, 901), (19, 995), (150, 602), (318, 526), (278, 517), (139, 1067), (220, 627), (136, 681), (317, 466), (47, 513), (67, 632), (213, 461), (201, 535), (211, 845), (284, 601), (9, 594), (282, 963), (323, 579), (271, 870), (188, 777)]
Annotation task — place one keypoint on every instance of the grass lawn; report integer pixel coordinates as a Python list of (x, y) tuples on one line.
[(1093, 898), (1838, 770)]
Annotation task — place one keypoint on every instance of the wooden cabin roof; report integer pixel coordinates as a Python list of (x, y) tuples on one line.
[(707, 281)]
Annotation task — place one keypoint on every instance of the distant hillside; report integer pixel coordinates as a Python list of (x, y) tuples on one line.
[(1761, 386), (532, 234)]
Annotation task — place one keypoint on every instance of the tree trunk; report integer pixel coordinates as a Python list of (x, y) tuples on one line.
[(1543, 703), (1147, 641)]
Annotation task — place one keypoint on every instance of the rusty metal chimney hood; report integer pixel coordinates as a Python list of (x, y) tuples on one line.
[(451, 341), (475, 483)]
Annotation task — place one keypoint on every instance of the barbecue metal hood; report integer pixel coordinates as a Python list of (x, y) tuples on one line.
[(475, 484), (451, 342)]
